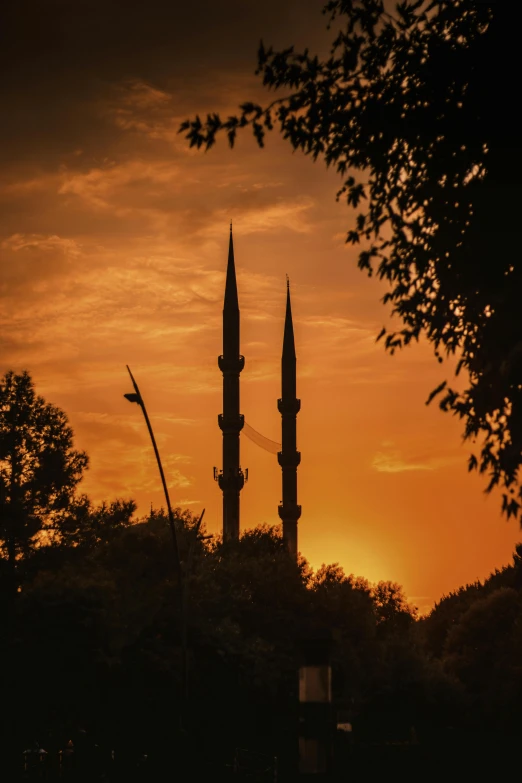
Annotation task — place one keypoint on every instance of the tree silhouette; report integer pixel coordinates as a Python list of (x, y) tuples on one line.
[(105, 627), (39, 469), (421, 102), (84, 526)]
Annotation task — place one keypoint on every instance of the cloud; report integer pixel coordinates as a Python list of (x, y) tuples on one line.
[(392, 461), (340, 327), (291, 214), (164, 196), (104, 419), (183, 502), (177, 480), (72, 300), (125, 185), (156, 114), (140, 95), (150, 192), (54, 243), (122, 462), (142, 108), (175, 459), (334, 345), (33, 261)]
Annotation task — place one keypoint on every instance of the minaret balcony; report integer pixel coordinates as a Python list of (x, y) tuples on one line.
[(289, 407), (231, 365), (289, 512), (233, 480), (289, 460), (231, 424)]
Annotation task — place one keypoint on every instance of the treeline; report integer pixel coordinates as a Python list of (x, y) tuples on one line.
[(94, 637), (476, 635), (93, 642)]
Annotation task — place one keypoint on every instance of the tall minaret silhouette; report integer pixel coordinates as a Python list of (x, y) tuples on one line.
[(289, 458), (231, 479)]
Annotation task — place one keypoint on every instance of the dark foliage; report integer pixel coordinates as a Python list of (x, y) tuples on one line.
[(94, 643), (39, 470), (422, 103), (476, 635), (103, 633)]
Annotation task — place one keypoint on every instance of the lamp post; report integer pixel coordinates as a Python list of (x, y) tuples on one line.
[(137, 398), (182, 570)]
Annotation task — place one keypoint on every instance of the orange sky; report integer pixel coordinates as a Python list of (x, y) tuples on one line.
[(114, 241)]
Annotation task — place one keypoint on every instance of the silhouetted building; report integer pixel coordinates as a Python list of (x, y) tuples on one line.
[(289, 458), (231, 478)]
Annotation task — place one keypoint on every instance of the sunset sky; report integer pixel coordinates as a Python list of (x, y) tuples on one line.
[(114, 238)]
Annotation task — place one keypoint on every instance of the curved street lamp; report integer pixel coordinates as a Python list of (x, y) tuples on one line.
[(137, 398), (182, 574)]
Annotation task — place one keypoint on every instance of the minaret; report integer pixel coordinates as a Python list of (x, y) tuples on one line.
[(231, 478), (289, 458)]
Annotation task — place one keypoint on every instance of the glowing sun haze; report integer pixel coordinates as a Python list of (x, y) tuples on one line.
[(114, 243)]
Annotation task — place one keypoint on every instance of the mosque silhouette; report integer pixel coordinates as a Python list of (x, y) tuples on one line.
[(231, 478)]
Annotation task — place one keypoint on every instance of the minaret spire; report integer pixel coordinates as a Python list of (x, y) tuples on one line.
[(230, 478), (231, 300), (289, 458), (288, 338)]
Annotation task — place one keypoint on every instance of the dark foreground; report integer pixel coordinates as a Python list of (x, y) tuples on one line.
[(460, 759)]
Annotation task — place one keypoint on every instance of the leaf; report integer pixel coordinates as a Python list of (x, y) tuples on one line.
[(436, 391)]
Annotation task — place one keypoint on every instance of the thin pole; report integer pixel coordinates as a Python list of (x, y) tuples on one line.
[(183, 575), (175, 541)]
